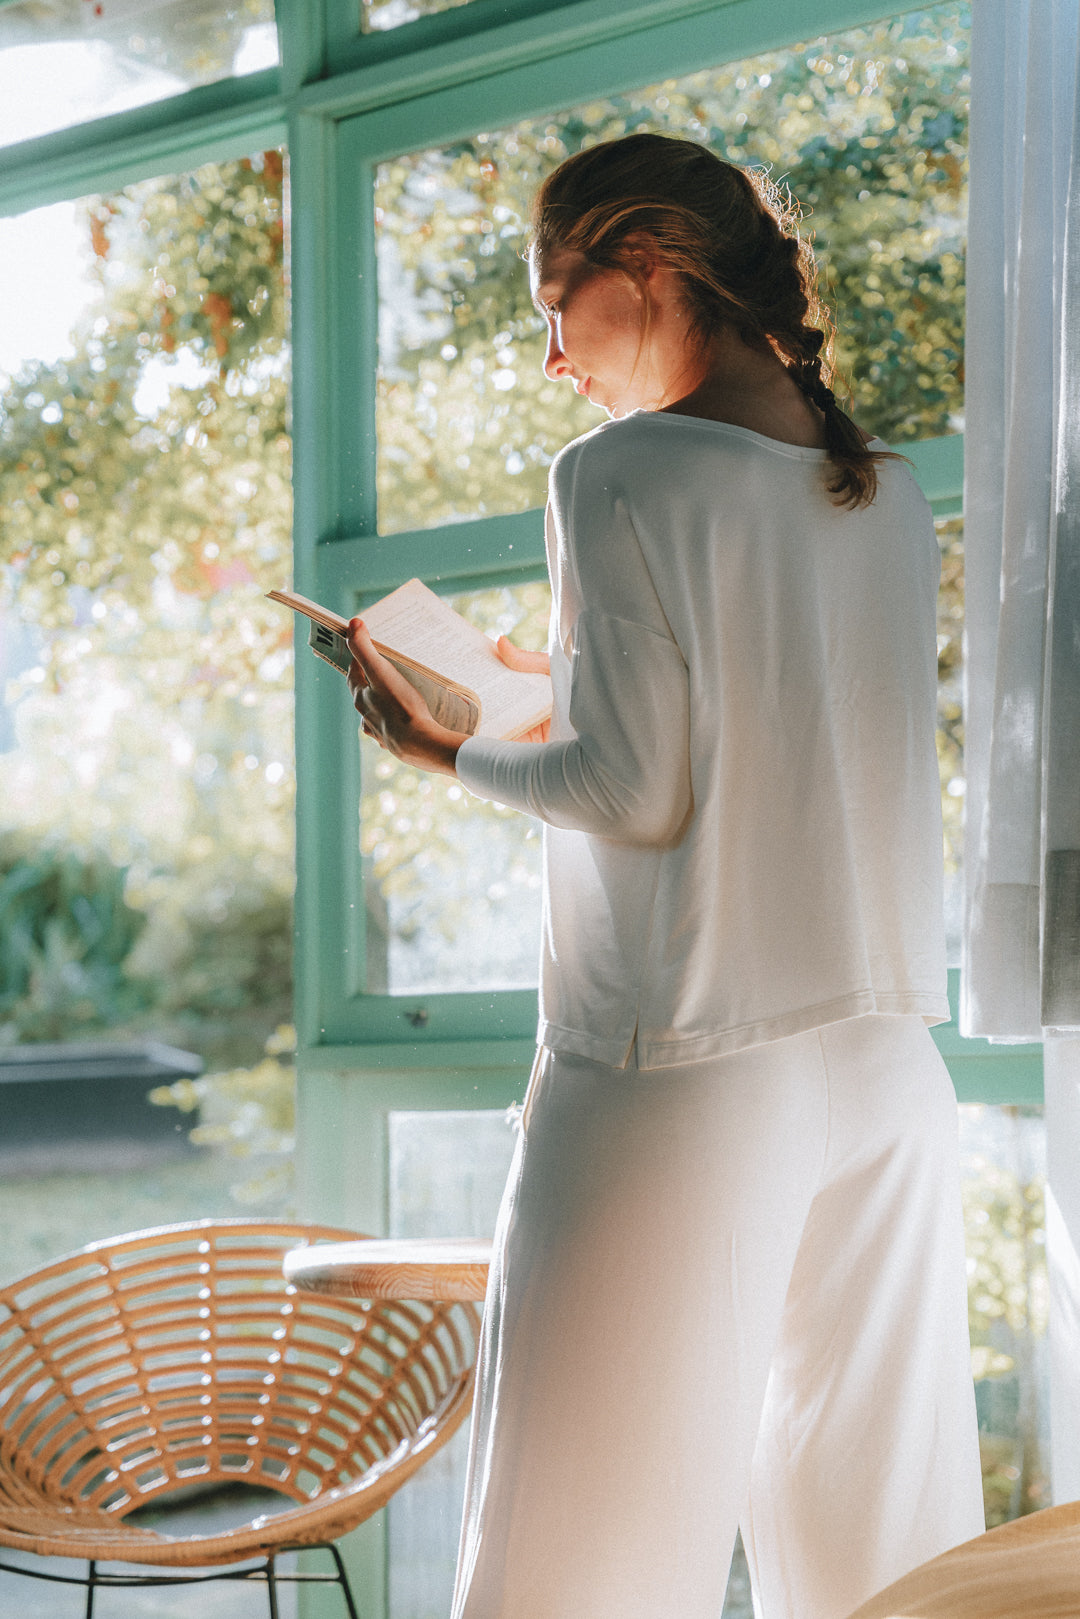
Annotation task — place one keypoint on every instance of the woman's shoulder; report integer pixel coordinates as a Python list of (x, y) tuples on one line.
[(614, 444), (633, 453)]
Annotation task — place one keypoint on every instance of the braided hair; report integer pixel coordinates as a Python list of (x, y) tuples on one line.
[(733, 238)]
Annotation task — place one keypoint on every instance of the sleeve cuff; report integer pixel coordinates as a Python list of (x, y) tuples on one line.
[(477, 762)]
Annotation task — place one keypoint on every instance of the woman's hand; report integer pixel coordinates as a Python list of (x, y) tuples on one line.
[(393, 712), (526, 663)]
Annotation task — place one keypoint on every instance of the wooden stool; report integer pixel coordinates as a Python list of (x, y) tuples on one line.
[(438, 1269)]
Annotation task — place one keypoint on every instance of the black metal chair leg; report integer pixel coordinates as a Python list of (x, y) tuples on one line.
[(271, 1588), (343, 1580), (90, 1587)]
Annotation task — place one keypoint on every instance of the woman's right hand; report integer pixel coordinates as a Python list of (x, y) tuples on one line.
[(526, 663)]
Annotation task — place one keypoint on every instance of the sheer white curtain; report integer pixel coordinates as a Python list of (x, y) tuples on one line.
[(1022, 524), (1021, 976)]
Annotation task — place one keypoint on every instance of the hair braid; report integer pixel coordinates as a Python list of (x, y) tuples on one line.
[(733, 237)]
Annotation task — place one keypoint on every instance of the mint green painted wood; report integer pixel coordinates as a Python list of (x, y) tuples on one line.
[(481, 40), (208, 124), (356, 338), (302, 42), (343, 1107), (322, 814), (939, 467), (985, 1072), (541, 75), (465, 1056), (484, 551), (441, 45)]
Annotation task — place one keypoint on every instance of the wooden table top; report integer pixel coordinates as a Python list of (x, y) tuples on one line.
[(443, 1268)]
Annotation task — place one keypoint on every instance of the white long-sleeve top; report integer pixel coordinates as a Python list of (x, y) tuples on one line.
[(741, 793)]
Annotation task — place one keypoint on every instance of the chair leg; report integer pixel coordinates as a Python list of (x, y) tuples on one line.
[(343, 1581), (90, 1587), (271, 1588)]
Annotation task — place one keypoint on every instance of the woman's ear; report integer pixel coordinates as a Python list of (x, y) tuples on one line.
[(642, 252)]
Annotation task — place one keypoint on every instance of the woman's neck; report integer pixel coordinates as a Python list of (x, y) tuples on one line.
[(749, 387)]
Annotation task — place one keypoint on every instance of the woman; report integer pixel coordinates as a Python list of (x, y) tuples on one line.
[(729, 1276)]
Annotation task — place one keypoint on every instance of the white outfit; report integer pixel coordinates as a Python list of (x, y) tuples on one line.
[(729, 1278), (744, 811), (730, 1291)]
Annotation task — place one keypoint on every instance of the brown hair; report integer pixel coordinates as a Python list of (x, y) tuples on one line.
[(733, 237)]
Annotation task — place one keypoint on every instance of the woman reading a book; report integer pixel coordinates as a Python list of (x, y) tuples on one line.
[(729, 1274)]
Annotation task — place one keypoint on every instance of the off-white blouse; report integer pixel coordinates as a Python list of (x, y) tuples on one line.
[(741, 795)]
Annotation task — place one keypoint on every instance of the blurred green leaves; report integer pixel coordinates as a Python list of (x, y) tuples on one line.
[(146, 500), (65, 933)]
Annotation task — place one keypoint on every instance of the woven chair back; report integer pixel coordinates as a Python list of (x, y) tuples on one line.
[(181, 1356)]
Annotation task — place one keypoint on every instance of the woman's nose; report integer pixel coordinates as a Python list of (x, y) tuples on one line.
[(555, 362)]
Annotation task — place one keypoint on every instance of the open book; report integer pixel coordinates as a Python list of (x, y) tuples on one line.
[(452, 664)]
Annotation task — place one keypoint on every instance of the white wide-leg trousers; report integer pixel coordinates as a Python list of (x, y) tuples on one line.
[(725, 1293)]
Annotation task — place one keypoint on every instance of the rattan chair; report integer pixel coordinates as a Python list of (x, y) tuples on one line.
[(181, 1357)]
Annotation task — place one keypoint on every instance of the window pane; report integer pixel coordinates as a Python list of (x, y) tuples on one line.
[(1003, 1161), (376, 16), (146, 767), (868, 127), (65, 61), (950, 733), (452, 885)]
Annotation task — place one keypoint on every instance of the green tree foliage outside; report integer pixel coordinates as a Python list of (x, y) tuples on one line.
[(140, 537)]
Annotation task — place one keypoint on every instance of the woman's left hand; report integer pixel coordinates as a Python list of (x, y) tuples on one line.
[(393, 712), (527, 663)]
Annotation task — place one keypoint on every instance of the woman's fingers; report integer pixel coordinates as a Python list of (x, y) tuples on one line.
[(375, 683), (376, 671), (393, 712), (526, 663)]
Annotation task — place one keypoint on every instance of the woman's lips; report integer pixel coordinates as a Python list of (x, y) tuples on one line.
[(582, 387)]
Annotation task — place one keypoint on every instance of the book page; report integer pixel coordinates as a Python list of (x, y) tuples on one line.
[(418, 623)]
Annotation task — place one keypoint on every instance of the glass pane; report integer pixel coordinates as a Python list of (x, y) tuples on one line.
[(1003, 1161), (868, 127), (950, 733), (452, 885), (146, 766), (65, 61), (376, 16)]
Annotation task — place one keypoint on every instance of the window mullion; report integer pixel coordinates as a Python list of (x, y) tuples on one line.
[(302, 41), (462, 556)]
